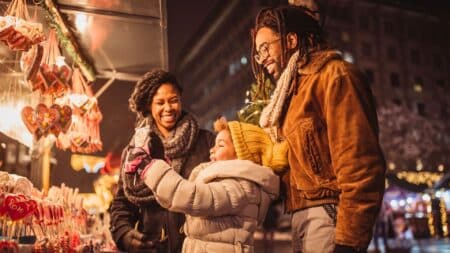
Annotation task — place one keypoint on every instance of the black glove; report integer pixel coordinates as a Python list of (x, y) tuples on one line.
[(134, 241), (345, 249)]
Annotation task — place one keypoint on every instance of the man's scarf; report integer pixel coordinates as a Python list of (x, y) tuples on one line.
[(270, 116)]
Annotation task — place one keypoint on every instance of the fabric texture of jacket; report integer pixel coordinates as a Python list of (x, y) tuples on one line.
[(224, 202), (152, 219), (334, 154)]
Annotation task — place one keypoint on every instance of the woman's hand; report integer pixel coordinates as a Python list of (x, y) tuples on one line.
[(137, 159), (135, 241)]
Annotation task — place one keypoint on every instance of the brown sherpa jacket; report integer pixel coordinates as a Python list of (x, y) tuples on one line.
[(334, 155)]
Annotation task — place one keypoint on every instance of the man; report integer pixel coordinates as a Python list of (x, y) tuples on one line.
[(326, 113)]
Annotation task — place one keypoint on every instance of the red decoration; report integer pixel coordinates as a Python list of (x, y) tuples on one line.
[(18, 34), (44, 120)]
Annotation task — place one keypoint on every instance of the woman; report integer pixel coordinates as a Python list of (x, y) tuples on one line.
[(138, 222)]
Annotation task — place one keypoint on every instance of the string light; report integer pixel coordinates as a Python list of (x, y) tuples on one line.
[(430, 218), (428, 178), (443, 211), (419, 165), (391, 166)]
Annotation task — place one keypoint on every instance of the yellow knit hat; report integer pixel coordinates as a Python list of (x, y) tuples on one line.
[(252, 143)]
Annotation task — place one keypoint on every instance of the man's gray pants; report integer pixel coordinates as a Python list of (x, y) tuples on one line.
[(313, 230)]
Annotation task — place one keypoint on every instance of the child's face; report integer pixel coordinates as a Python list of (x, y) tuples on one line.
[(223, 149)]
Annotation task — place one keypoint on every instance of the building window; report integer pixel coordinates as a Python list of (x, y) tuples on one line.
[(418, 84), (389, 28), (437, 61), (421, 109), (364, 22), (397, 101), (369, 76), (345, 36), (366, 49), (412, 32), (345, 14), (394, 80), (392, 53), (415, 56), (444, 111)]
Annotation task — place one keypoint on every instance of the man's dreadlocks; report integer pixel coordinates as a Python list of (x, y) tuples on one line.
[(289, 19)]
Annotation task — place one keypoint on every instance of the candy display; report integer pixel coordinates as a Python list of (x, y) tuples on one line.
[(47, 222)]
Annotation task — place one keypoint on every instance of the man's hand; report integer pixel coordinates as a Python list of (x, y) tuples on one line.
[(134, 241)]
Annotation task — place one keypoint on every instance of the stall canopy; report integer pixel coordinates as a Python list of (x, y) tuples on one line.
[(126, 36), (122, 40)]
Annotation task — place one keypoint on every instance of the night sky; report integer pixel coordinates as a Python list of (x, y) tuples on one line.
[(184, 18)]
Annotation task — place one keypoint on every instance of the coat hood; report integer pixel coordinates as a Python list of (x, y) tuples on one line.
[(243, 169)]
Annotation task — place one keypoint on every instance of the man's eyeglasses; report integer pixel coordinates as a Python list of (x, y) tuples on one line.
[(263, 52)]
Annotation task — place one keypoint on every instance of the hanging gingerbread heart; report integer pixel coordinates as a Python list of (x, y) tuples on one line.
[(19, 34), (62, 72), (45, 118), (5, 30), (30, 62), (29, 119), (38, 82), (64, 118)]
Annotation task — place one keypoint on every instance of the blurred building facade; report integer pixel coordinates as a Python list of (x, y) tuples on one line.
[(214, 66), (400, 46)]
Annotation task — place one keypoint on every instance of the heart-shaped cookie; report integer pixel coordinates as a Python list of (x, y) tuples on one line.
[(65, 116), (45, 118), (29, 119)]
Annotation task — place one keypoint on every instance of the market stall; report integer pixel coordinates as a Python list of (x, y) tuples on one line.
[(58, 60)]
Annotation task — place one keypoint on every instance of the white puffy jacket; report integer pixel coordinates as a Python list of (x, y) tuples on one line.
[(224, 202)]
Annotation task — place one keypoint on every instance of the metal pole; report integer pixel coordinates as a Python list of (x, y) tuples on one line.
[(46, 164)]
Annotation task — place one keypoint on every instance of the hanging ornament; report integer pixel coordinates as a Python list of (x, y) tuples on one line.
[(43, 120), (14, 95), (52, 77), (68, 39), (83, 135), (16, 29)]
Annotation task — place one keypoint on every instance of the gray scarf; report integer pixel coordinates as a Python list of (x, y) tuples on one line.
[(176, 148), (270, 116)]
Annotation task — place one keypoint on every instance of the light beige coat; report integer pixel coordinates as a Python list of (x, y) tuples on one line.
[(224, 202)]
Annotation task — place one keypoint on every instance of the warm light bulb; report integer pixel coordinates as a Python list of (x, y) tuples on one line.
[(60, 61), (81, 22)]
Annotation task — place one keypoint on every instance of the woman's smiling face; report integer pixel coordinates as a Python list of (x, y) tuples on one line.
[(166, 107)]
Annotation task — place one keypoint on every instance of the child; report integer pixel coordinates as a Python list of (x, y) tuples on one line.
[(226, 199)]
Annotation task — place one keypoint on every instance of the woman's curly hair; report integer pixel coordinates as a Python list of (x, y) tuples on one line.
[(146, 88)]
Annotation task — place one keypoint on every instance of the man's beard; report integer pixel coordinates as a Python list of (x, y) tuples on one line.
[(270, 76)]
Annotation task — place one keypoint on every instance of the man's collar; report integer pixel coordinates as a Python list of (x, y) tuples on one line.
[(317, 60)]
